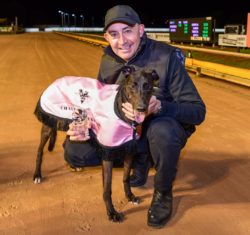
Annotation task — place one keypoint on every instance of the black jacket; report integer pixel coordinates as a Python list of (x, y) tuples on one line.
[(179, 97)]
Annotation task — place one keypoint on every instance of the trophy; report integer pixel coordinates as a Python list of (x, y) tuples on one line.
[(81, 123)]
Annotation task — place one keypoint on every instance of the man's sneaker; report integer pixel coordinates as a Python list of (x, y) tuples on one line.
[(139, 175), (75, 169), (160, 209)]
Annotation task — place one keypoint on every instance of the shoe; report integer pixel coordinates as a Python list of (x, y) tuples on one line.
[(140, 175), (160, 209), (75, 169)]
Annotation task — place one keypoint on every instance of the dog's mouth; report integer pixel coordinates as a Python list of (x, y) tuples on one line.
[(139, 116)]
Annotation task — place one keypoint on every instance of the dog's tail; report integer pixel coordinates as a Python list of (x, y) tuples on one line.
[(52, 139)]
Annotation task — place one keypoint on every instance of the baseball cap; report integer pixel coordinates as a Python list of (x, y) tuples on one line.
[(121, 13)]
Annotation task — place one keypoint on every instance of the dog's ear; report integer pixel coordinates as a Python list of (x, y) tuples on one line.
[(126, 70), (154, 75)]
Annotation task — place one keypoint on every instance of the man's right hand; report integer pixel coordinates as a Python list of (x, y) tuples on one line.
[(78, 132)]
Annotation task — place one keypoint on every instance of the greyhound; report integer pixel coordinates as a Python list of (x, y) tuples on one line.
[(137, 89)]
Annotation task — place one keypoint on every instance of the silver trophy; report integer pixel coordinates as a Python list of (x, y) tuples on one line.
[(81, 123)]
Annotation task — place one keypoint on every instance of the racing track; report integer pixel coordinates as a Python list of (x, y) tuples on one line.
[(211, 192)]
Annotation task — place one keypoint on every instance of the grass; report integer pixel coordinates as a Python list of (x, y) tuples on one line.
[(222, 59)]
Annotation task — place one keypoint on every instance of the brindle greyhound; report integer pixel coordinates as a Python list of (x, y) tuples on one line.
[(137, 89)]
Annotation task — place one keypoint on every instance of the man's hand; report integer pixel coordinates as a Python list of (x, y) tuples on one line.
[(131, 114), (78, 132), (154, 105)]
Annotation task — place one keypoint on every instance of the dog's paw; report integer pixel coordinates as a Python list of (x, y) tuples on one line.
[(37, 180), (115, 216)]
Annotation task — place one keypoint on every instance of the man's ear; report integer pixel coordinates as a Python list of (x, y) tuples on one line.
[(141, 29), (105, 35)]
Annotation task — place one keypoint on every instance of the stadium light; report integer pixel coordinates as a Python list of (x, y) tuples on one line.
[(82, 20), (68, 23), (74, 15), (62, 17)]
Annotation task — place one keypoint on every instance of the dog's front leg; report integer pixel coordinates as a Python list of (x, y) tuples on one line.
[(113, 215), (126, 177)]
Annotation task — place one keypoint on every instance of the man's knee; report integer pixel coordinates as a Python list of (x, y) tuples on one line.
[(166, 129), (80, 154)]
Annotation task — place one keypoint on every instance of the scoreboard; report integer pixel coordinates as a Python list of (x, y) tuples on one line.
[(191, 30)]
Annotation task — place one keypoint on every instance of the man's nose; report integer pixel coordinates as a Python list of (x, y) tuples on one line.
[(122, 38)]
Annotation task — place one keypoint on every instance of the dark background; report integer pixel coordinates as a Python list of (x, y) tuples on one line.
[(153, 13)]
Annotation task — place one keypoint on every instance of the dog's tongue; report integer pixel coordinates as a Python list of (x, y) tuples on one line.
[(139, 116)]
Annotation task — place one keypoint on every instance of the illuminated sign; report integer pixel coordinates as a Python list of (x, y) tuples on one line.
[(191, 30), (248, 29)]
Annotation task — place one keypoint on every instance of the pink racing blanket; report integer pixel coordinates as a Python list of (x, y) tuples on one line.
[(56, 108)]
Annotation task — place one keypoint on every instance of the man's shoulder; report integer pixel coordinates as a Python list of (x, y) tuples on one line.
[(164, 47), (161, 45)]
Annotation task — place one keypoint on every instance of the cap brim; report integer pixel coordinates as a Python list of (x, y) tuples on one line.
[(127, 21)]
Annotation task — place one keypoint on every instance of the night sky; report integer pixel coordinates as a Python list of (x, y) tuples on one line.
[(152, 12)]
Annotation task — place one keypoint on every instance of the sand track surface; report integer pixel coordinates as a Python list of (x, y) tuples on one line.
[(211, 191)]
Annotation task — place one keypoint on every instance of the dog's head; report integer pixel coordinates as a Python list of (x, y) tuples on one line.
[(138, 88)]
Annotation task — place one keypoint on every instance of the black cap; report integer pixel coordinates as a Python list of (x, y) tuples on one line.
[(121, 13)]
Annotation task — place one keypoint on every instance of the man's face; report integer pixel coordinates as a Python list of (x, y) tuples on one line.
[(124, 39)]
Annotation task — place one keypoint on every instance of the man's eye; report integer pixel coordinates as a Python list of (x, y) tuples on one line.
[(127, 31), (113, 35)]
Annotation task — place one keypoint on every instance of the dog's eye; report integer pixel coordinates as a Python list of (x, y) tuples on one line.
[(146, 86), (134, 85)]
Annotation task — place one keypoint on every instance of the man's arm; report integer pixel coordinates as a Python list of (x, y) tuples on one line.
[(186, 106)]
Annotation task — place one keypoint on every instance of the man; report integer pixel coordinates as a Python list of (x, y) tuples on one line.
[(173, 112)]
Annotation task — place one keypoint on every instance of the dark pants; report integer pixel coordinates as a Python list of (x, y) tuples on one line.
[(79, 154), (166, 138), (163, 135)]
